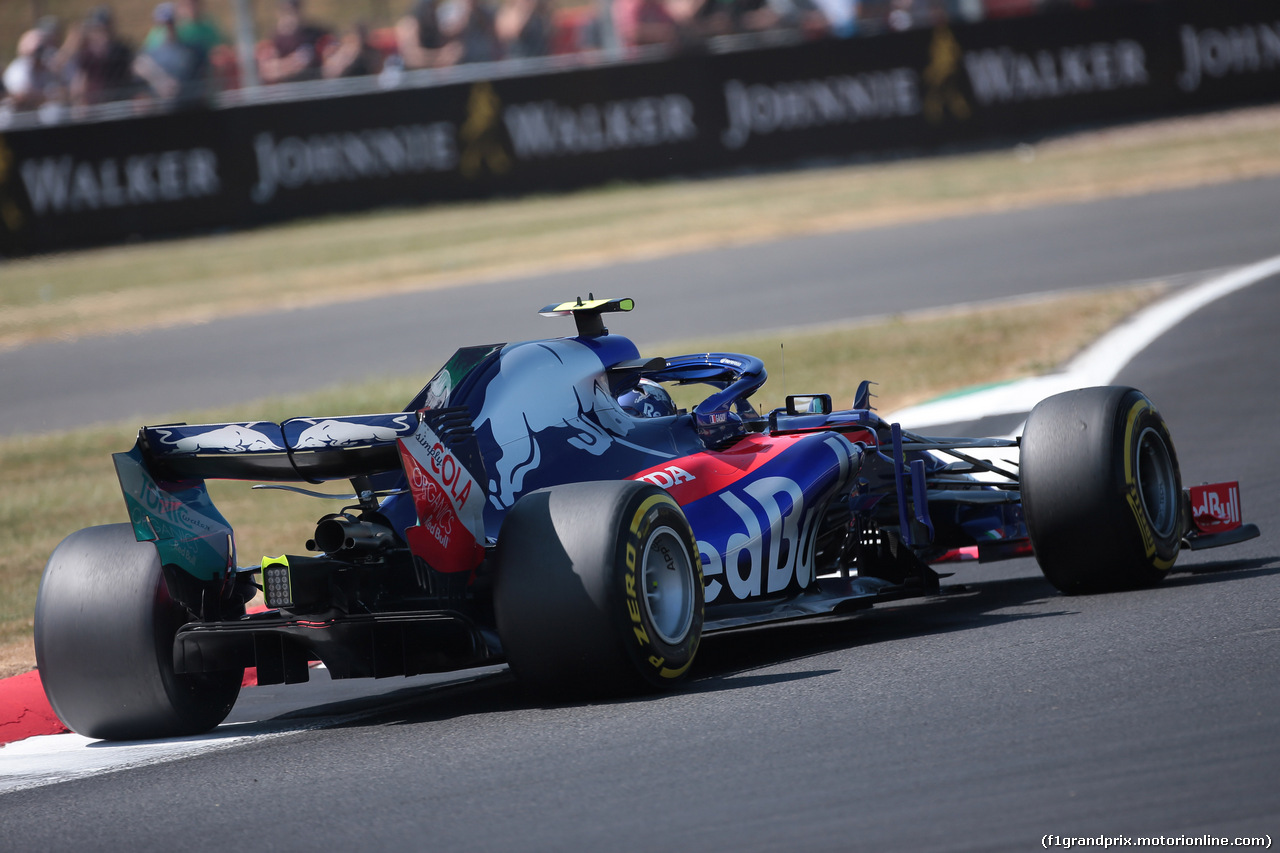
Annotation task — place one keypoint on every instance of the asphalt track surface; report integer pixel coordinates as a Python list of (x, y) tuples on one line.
[(140, 378), (982, 719)]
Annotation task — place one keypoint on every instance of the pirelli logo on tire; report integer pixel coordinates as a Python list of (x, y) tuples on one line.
[(1136, 444), (1135, 504), (662, 586)]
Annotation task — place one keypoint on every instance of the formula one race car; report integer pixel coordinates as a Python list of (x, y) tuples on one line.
[(545, 504)]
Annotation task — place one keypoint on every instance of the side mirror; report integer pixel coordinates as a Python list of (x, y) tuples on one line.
[(809, 404)]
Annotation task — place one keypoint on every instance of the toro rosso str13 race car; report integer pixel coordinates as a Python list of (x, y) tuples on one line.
[(545, 504)]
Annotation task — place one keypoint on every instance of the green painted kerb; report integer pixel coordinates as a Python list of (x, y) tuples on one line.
[(970, 389)]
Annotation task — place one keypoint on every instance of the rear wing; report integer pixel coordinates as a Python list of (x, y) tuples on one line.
[(298, 450), (163, 476)]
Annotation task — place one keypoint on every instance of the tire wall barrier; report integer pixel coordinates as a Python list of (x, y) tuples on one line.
[(70, 185)]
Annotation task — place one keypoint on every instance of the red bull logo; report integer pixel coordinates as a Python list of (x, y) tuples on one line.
[(1215, 508)]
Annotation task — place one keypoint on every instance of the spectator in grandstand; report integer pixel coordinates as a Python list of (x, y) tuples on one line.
[(353, 56), (194, 28), (644, 22), (59, 59), (903, 15), (30, 81), (841, 15), (296, 48), (470, 24), (712, 17), (103, 64), (420, 40), (174, 70), (803, 15), (719, 17), (526, 27), (201, 31)]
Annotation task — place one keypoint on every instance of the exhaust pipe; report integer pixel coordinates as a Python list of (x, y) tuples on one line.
[(335, 533)]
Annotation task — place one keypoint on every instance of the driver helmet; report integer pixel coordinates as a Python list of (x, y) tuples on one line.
[(648, 400)]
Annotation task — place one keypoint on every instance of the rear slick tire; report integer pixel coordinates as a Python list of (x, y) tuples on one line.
[(598, 590), (104, 629), (1101, 490)]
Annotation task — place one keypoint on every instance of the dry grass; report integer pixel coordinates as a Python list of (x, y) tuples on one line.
[(57, 484)]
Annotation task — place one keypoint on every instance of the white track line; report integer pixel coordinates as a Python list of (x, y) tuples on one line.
[(1097, 365), (48, 759)]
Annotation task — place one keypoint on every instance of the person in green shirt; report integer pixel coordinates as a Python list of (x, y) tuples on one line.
[(195, 28)]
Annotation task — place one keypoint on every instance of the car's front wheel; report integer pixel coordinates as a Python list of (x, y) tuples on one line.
[(1101, 490)]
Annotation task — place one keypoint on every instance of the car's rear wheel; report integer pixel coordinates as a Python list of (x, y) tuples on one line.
[(598, 589), (104, 629), (1101, 490)]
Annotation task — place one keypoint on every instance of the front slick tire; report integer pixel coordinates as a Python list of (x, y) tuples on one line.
[(1101, 490), (104, 632), (598, 590)]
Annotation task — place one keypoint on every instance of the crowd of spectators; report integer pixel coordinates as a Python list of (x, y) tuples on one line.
[(91, 64), (186, 56)]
